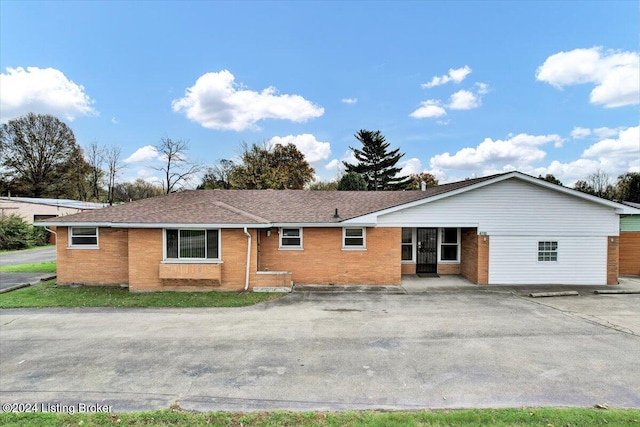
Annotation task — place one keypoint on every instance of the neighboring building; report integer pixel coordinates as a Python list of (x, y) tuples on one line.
[(503, 229), (630, 241), (33, 209)]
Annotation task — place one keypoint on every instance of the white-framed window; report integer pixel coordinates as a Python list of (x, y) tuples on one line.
[(83, 237), (547, 251), (449, 244), (354, 238), (192, 244), (291, 238), (407, 244)]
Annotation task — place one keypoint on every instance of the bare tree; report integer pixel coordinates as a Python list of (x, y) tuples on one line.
[(114, 165), (601, 184), (95, 157), (177, 170)]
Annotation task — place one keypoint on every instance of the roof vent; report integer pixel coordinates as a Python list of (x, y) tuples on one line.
[(335, 215), (423, 186)]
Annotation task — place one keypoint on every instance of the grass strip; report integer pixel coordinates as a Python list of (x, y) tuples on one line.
[(474, 417), (47, 294), (38, 267)]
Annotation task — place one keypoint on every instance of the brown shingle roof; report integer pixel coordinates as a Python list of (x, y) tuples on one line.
[(254, 207)]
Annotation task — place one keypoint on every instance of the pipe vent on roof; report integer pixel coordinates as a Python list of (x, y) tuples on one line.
[(335, 215)]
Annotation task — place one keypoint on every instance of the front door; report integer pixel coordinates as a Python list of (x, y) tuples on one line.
[(427, 250)]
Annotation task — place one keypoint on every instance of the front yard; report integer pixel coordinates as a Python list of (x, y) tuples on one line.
[(47, 294)]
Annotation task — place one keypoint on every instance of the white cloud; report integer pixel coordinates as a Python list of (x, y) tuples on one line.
[(215, 101), (143, 154), (464, 100), (333, 165), (482, 88), (428, 109), (349, 101), (314, 150), (41, 91), (626, 146), (605, 132), (520, 149), (580, 133), (616, 75), (114, 121), (455, 75), (337, 166), (443, 122), (410, 166)]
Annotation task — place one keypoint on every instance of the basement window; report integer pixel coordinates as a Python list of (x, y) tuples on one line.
[(291, 238), (83, 237), (547, 251), (192, 244)]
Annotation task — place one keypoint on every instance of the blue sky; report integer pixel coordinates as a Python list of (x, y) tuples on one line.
[(463, 88)]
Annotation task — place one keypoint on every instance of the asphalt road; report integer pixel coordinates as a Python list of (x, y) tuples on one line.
[(331, 352), (47, 253)]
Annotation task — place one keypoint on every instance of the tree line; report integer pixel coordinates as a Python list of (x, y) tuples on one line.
[(40, 158)]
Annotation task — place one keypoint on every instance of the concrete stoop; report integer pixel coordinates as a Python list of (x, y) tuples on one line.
[(336, 289)]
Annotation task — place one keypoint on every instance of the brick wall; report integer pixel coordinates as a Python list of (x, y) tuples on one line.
[(107, 265), (474, 262), (613, 254), (145, 252), (408, 268), (445, 269), (324, 262), (629, 253)]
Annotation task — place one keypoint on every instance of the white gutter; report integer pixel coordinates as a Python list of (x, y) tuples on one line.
[(246, 277), (51, 231)]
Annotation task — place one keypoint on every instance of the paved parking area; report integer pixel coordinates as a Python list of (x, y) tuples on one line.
[(47, 253), (307, 351)]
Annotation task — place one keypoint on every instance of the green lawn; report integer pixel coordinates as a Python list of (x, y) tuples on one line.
[(479, 417), (47, 294), (38, 267)]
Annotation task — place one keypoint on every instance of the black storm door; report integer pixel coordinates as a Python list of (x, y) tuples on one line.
[(427, 250)]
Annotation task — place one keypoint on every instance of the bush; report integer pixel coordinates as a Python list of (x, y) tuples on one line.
[(15, 233)]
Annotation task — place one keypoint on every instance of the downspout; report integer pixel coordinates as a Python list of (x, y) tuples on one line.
[(52, 232), (246, 279)]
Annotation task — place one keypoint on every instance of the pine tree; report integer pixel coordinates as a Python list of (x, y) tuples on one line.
[(376, 164)]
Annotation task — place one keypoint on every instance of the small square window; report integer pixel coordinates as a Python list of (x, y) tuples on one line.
[(353, 238), (547, 251), (291, 238), (83, 236)]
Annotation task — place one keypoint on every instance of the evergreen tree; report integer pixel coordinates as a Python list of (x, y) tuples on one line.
[(377, 165), (352, 181)]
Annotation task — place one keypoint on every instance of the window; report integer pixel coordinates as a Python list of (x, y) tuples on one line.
[(291, 238), (547, 251), (192, 244), (407, 244), (353, 238), (449, 244), (83, 236)]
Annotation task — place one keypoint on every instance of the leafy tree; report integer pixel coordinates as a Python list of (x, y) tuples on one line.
[(628, 187), (323, 186), (584, 187), (550, 178), (376, 164), (279, 167), (137, 190), (177, 170), (352, 181), (218, 176), (40, 157), (416, 181), (16, 233)]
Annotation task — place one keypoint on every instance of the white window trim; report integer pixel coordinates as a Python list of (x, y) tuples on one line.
[(179, 260), (281, 247), (557, 251), (414, 237), (354, 248), (459, 243), (70, 244)]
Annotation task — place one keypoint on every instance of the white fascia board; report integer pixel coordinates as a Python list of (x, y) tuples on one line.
[(72, 224), (431, 225), (146, 225), (322, 224)]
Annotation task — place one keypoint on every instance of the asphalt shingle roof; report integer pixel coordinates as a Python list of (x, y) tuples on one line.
[(257, 206)]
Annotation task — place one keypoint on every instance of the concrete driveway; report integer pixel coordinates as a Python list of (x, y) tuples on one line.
[(47, 253), (448, 349)]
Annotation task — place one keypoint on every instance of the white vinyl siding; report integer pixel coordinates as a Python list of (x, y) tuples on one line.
[(513, 260), (511, 208)]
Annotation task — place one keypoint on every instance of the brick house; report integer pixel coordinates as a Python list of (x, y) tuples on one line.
[(509, 228)]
